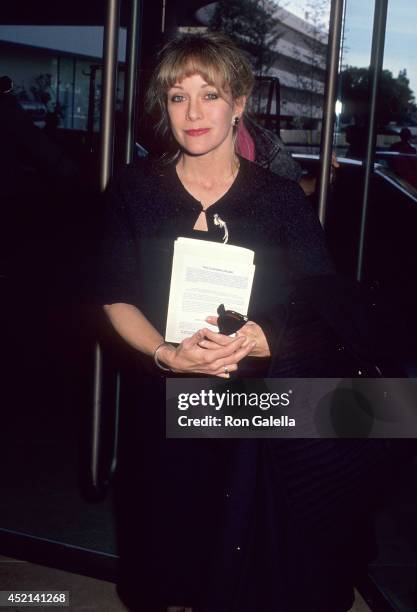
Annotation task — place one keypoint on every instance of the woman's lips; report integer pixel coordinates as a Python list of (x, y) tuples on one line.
[(197, 132)]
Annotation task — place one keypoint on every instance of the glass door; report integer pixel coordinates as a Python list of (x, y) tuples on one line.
[(390, 256), (50, 215)]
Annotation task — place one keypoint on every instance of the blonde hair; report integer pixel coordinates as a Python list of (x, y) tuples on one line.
[(212, 55)]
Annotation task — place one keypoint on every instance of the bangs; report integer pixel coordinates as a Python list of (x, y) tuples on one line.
[(211, 55), (212, 70)]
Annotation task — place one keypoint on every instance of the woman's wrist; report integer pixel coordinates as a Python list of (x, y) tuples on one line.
[(165, 354)]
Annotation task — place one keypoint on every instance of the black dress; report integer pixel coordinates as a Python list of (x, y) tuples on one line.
[(207, 523), (149, 208)]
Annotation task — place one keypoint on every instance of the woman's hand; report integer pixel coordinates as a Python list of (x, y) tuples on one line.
[(190, 357), (252, 331)]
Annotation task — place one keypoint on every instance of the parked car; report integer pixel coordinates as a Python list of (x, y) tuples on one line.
[(391, 249), (404, 165), (390, 254)]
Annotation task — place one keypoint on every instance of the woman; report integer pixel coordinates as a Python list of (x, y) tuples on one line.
[(200, 90), (202, 523)]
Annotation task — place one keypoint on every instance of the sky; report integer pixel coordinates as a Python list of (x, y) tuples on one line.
[(401, 34)]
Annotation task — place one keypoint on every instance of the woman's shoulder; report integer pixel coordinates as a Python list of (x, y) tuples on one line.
[(269, 184), (141, 187), (142, 173)]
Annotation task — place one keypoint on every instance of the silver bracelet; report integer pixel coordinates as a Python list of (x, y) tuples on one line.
[(156, 360)]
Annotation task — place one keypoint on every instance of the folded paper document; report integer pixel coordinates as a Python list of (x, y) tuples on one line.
[(204, 275)]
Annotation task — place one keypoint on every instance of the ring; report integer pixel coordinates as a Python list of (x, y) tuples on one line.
[(226, 371)]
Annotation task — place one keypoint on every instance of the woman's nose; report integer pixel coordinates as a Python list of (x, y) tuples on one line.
[(194, 110)]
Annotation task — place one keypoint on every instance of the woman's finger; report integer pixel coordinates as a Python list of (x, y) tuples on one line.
[(226, 351), (193, 340), (208, 344), (217, 338), (237, 356), (212, 320), (227, 369), (244, 352), (214, 344)]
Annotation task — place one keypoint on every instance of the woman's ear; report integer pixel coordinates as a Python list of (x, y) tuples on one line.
[(239, 106)]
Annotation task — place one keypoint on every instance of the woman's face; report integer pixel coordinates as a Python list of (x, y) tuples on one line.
[(201, 120)]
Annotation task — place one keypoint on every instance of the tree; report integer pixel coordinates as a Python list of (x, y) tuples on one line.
[(253, 25), (396, 101), (42, 90)]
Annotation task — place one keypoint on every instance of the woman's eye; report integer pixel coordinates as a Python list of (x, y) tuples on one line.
[(212, 95), (177, 98)]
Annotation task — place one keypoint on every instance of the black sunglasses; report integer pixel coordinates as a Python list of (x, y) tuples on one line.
[(229, 321)]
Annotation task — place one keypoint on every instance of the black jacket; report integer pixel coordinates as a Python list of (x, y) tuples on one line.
[(270, 152)]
